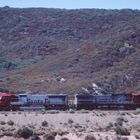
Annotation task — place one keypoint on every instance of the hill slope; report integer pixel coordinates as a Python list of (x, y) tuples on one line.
[(54, 50)]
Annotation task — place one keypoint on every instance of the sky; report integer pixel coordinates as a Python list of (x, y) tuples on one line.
[(73, 4)]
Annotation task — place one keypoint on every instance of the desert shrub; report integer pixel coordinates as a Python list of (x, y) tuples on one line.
[(54, 133), (43, 111), (77, 126), (19, 113), (9, 65), (10, 123), (31, 126), (137, 111), (8, 133), (118, 45), (2, 123), (48, 137), (90, 137), (53, 112), (5, 114), (70, 121), (120, 121), (84, 111), (109, 126), (61, 133), (123, 114), (44, 123), (120, 130), (71, 111), (24, 132), (35, 137), (64, 139), (122, 138), (137, 136)]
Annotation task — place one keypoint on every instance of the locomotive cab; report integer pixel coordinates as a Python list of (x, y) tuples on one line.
[(21, 100), (5, 101), (84, 101), (136, 99)]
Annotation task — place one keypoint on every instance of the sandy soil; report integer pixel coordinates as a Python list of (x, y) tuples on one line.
[(76, 125)]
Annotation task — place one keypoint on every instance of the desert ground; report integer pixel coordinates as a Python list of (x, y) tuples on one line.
[(73, 125)]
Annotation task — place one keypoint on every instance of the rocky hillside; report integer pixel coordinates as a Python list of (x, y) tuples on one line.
[(68, 51)]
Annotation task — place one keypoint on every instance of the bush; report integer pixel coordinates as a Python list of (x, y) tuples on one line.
[(35, 137), (48, 137), (70, 121), (2, 123), (53, 111), (120, 121), (137, 111), (84, 111), (7, 133), (71, 111), (44, 123), (90, 137), (120, 130), (109, 126), (77, 126), (24, 132), (137, 136), (62, 133), (64, 139), (11, 123)]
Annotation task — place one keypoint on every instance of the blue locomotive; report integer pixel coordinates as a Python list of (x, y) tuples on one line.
[(109, 101), (36, 102)]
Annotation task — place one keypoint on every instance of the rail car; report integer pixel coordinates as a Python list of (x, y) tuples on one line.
[(109, 101)]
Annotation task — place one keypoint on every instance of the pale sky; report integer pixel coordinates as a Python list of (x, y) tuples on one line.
[(73, 4)]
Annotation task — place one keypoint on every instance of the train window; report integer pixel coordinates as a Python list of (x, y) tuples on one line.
[(14, 99), (23, 95), (4, 97)]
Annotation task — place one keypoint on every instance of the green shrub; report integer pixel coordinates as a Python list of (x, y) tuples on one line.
[(120, 130), (10, 123), (90, 137), (48, 137), (70, 121), (35, 137), (44, 123), (2, 123), (118, 45), (24, 132), (84, 111), (64, 139), (120, 121), (71, 111)]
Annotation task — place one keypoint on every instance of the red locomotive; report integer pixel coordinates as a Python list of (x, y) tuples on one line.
[(5, 101)]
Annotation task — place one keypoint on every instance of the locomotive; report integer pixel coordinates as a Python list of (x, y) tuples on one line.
[(60, 101), (33, 102), (109, 101)]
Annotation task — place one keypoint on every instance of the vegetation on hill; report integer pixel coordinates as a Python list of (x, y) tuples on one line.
[(68, 51)]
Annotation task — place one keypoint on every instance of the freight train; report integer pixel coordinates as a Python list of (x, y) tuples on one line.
[(61, 101)]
